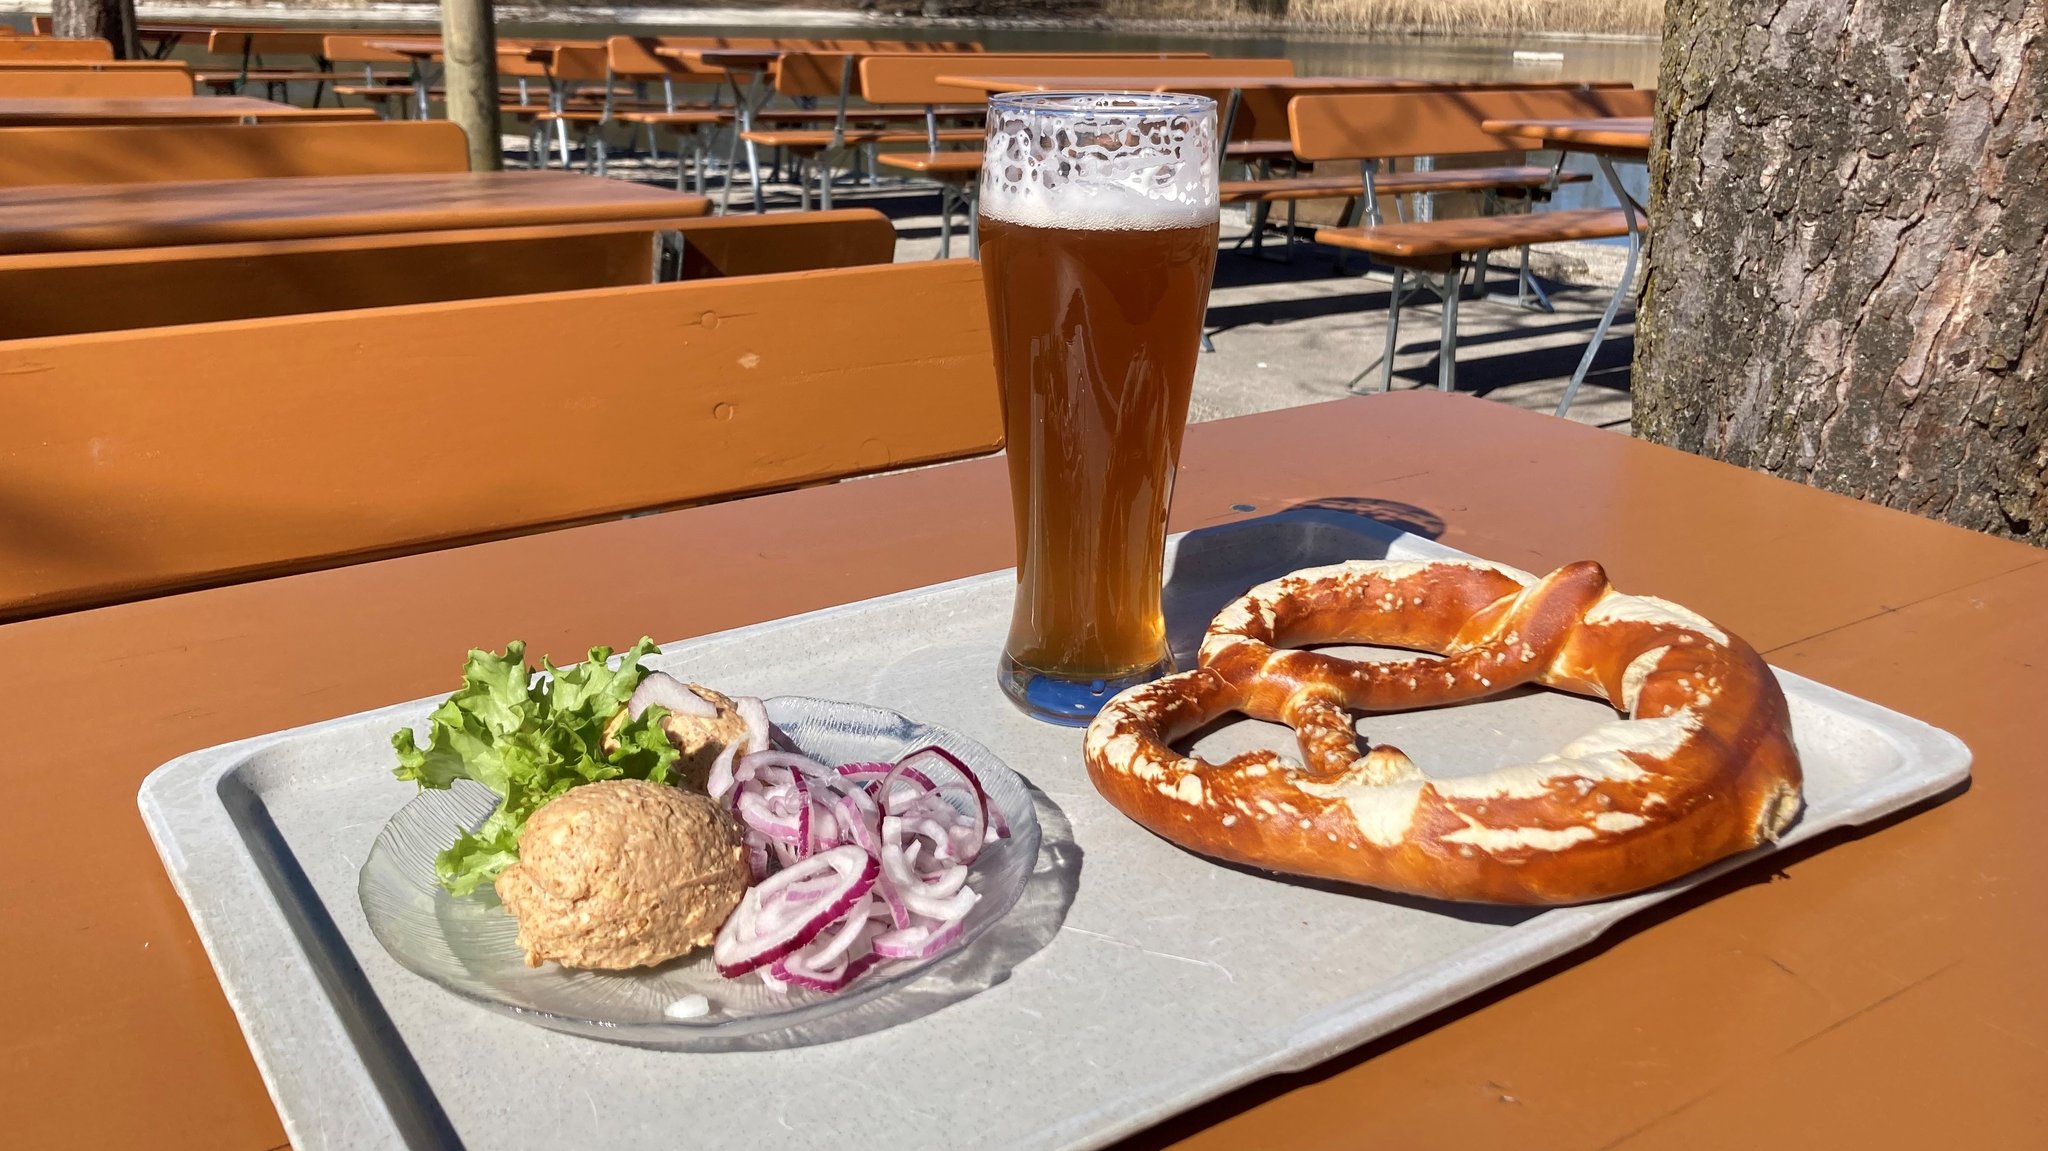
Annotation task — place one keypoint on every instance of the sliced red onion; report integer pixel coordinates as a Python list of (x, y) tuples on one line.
[(720, 780), (742, 946), (755, 813), (990, 812), (807, 923), (756, 716), (790, 970), (943, 883), (660, 689), (921, 941), (829, 949), (786, 760), (898, 876)]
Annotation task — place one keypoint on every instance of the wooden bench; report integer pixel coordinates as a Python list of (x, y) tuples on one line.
[(41, 48), (147, 461), (816, 74), (386, 80), (1375, 128), (71, 82), (137, 154), (50, 48), (247, 48), (377, 76), (66, 293)]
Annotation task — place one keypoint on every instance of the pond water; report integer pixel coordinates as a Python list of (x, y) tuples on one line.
[(1421, 57)]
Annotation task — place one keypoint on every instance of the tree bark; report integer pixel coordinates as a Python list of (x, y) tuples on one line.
[(469, 53), (109, 20), (1848, 272)]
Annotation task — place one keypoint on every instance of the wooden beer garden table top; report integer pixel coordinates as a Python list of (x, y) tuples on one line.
[(1879, 989), (71, 217), (1627, 136), (32, 111)]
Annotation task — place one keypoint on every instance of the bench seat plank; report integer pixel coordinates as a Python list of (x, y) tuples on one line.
[(823, 137), (1509, 177), (1421, 242)]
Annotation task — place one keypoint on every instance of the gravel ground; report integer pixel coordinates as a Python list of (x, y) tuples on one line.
[(1298, 331), (1290, 327)]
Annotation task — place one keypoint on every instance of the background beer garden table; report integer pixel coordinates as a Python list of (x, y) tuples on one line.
[(72, 217), (1881, 990), (33, 111), (1627, 137)]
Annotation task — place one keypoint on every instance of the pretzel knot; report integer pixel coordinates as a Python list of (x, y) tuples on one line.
[(1702, 767)]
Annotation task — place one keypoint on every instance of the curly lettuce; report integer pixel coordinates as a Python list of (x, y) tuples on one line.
[(529, 738)]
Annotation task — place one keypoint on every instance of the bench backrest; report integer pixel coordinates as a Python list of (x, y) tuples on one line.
[(66, 293), (827, 73), (912, 78), (1262, 112), (45, 82), (1403, 124), (635, 58), (144, 461), (254, 42), (145, 154), (36, 48), (813, 74), (355, 49)]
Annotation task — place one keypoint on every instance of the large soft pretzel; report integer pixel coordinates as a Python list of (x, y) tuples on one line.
[(1702, 767)]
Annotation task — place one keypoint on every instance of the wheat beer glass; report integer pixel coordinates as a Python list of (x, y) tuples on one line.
[(1098, 237)]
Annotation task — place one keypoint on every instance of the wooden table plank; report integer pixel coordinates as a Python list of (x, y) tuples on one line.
[(1683, 1030), (70, 217), (29, 111)]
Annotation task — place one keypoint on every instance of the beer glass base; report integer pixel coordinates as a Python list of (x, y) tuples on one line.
[(1072, 702)]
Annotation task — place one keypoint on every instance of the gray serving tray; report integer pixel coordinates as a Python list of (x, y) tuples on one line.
[(1162, 981)]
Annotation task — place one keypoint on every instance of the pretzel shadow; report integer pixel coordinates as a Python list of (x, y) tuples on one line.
[(1216, 565)]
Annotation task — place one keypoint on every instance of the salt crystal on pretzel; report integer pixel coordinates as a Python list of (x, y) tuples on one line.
[(1702, 767)]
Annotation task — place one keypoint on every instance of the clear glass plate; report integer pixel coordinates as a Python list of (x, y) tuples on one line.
[(469, 944)]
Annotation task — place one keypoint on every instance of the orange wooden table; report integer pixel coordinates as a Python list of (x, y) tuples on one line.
[(1878, 990), (425, 51), (28, 111), (71, 217)]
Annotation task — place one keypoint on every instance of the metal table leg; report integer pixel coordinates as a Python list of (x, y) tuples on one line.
[(1636, 215)]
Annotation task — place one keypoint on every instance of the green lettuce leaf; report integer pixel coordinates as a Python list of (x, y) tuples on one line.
[(529, 738)]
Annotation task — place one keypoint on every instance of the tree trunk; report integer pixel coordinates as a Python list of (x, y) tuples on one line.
[(1848, 276), (469, 52), (109, 20)]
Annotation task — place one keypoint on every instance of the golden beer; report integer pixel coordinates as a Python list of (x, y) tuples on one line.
[(1096, 295)]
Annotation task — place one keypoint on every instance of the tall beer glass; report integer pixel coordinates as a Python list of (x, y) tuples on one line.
[(1098, 239)]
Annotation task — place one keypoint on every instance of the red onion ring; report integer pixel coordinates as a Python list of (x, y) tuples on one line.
[(743, 943), (890, 825)]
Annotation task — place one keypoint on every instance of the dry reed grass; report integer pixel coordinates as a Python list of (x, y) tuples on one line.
[(1599, 17)]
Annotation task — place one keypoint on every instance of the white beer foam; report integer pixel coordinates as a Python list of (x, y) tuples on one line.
[(1120, 163)]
